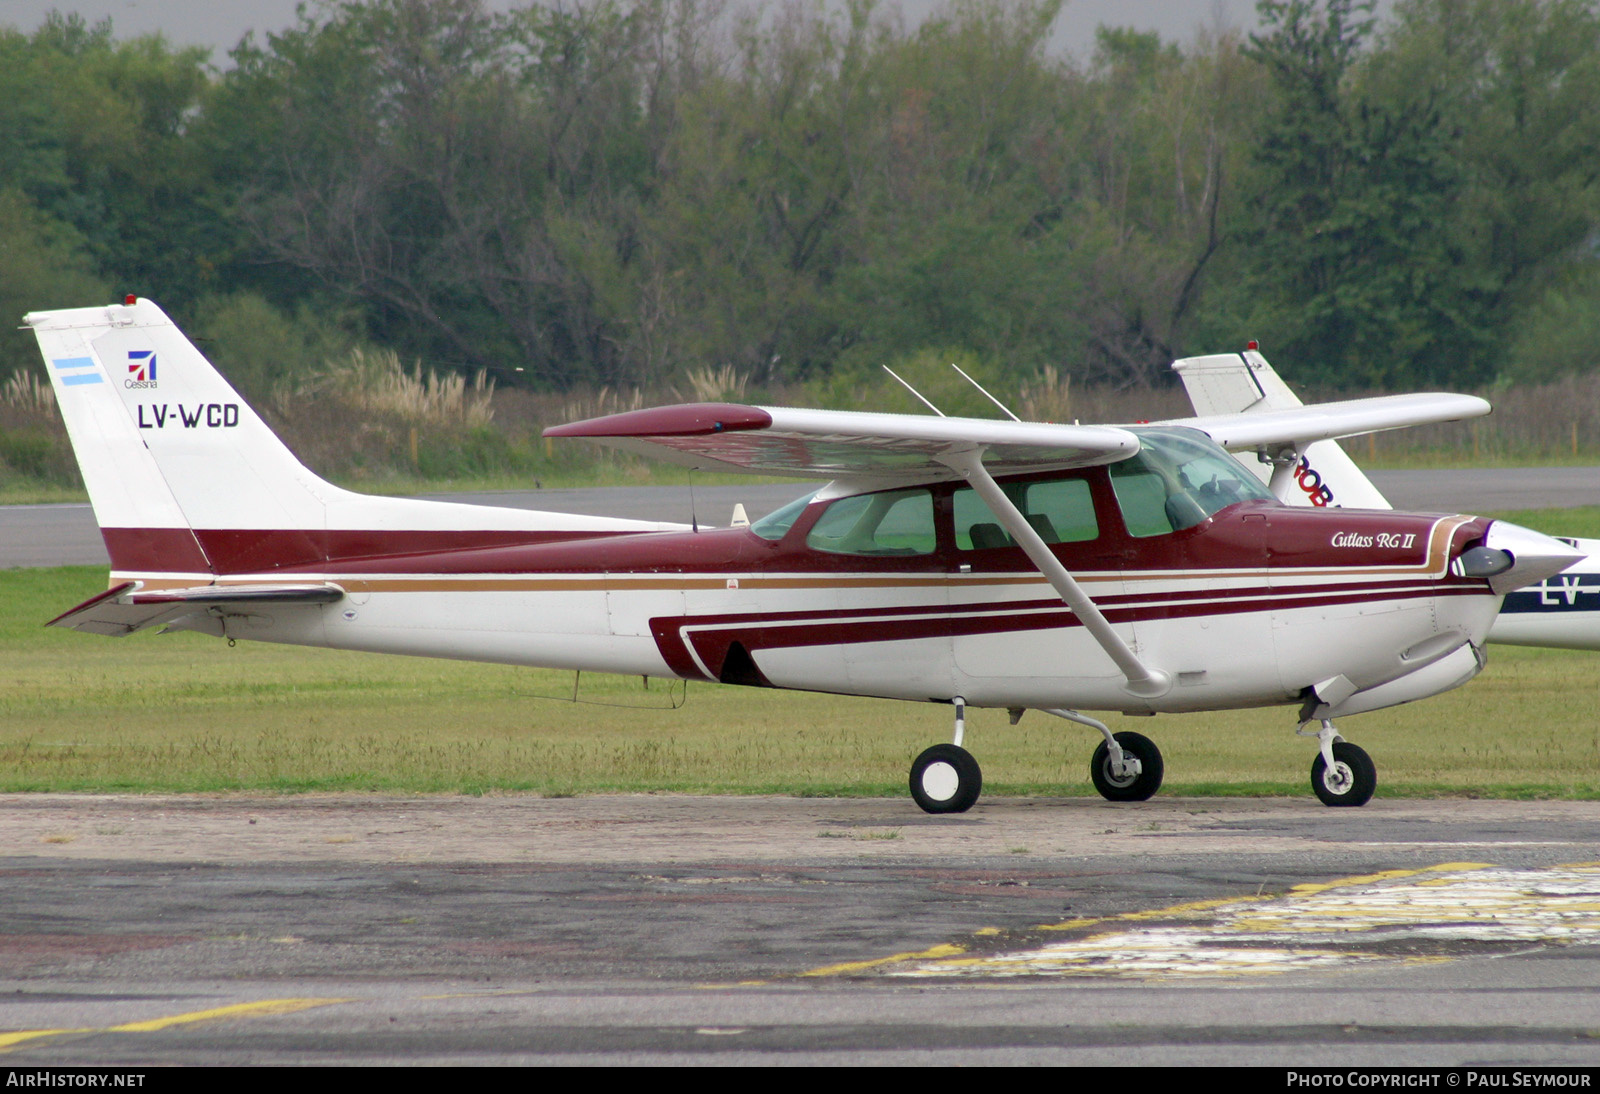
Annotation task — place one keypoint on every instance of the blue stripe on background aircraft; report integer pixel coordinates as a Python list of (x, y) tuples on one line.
[(1562, 611)]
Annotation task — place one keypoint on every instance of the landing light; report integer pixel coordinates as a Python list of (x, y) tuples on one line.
[(1482, 562)]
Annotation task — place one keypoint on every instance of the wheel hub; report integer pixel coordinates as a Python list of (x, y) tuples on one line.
[(940, 781), (1338, 778)]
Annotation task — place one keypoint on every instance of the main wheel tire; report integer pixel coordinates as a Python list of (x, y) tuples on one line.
[(1352, 779), (946, 779), (1128, 788)]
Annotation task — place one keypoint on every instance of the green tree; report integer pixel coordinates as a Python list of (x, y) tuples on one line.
[(1353, 267), (94, 131), (1515, 84)]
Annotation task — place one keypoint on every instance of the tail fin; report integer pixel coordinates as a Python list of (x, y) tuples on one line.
[(1242, 383), (107, 367), (187, 480)]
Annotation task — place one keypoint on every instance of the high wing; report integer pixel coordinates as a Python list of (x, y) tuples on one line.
[(124, 609), (845, 443), (1299, 427)]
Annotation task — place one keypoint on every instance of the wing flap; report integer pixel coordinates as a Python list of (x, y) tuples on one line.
[(786, 441), (124, 609)]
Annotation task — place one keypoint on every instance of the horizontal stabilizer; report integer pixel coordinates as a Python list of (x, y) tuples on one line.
[(124, 609)]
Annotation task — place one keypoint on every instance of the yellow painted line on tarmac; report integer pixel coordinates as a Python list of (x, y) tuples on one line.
[(933, 953), (260, 1007), (1385, 875), (1168, 912)]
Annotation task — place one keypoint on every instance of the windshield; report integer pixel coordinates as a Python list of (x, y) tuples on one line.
[(776, 524), (1179, 478)]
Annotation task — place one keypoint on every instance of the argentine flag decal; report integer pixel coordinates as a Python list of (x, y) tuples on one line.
[(77, 370)]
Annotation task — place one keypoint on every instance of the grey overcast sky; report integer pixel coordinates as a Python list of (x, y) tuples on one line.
[(221, 23)]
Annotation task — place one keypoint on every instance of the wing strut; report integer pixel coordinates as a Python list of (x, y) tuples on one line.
[(1143, 681)]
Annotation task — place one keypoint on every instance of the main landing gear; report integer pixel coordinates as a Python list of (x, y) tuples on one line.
[(1126, 767), (945, 778), (1342, 773)]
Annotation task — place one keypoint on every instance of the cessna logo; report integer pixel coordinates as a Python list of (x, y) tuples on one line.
[(141, 369), (1380, 539)]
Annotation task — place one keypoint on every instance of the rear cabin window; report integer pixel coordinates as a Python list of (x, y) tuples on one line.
[(1061, 511), (899, 522)]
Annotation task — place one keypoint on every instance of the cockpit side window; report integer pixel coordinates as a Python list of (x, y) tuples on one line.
[(899, 522), (1179, 478), (1061, 511)]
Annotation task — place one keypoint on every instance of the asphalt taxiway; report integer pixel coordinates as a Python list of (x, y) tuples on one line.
[(671, 929)]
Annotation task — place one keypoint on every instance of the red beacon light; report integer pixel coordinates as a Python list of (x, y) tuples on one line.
[(130, 300), (1252, 345)]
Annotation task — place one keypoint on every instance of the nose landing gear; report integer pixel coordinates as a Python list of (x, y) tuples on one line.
[(1342, 773)]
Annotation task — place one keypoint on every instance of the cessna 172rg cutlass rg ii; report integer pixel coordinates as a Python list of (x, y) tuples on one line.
[(963, 561)]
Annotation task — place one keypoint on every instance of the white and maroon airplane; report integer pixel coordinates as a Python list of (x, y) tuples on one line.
[(958, 561)]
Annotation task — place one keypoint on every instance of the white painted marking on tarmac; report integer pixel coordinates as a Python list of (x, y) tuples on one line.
[(1320, 927)]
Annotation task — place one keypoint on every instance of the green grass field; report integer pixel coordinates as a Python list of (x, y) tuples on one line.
[(187, 713)]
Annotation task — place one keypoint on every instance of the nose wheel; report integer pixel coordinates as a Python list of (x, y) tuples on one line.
[(1342, 773), (1349, 780)]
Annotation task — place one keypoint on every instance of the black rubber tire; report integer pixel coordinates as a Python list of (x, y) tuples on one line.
[(1141, 786), (1360, 776), (931, 776)]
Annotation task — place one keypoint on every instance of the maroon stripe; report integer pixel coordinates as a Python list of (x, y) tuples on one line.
[(256, 550), (836, 628), (1227, 542), (110, 594), (1130, 606), (668, 633), (154, 549), (686, 420)]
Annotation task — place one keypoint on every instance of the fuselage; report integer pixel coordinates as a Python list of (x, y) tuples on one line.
[(1251, 606)]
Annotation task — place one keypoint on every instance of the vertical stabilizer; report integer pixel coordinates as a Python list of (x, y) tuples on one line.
[(102, 363)]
